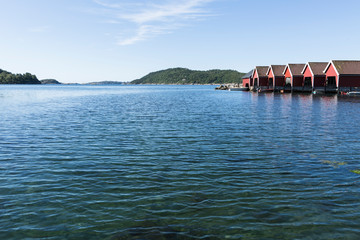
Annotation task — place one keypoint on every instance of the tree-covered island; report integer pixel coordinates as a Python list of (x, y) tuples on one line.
[(11, 78), (49, 81), (187, 76)]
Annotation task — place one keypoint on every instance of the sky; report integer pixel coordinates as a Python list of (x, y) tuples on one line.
[(80, 41)]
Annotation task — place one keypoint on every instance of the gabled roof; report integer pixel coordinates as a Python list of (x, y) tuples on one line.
[(276, 69), (345, 67), (295, 69), (248, 75), (261, 70), (316, 68)]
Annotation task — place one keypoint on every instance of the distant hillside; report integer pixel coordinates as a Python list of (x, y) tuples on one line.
[(10, 78), (187, 76), (106, 83), (49, 81)]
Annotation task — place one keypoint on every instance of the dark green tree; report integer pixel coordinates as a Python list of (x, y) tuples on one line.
[(10, 78)]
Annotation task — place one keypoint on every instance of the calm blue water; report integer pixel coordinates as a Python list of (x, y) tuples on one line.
[(177, 162)]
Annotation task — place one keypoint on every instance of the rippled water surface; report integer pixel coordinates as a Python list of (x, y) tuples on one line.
[(177, 162)]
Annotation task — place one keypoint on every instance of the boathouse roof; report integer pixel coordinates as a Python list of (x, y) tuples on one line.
[(345, 66), (316, 68), (277, 70), (249, 74), (262, 70), (295, 68)]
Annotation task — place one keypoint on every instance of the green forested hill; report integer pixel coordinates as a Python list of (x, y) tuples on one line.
[(187, 76), (10, 78), (49, 81)]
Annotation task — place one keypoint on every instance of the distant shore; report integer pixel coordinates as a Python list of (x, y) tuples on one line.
[(171, 76)]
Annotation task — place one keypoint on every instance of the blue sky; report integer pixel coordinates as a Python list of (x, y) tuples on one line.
[(122, 40)]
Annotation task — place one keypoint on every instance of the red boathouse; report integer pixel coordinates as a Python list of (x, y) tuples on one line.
[(260, 78), (314, 76), (293, 77), (342, 75), (247, 79), (276, 78)]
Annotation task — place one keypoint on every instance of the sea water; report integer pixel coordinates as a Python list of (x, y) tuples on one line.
[(177, 162)]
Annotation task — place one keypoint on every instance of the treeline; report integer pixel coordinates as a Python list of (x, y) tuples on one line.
[(10, 78), (49, 81), (187, 76)]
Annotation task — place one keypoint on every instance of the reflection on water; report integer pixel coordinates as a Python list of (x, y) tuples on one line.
[(177, 162)]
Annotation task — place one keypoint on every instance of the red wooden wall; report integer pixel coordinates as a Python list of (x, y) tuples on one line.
[(332, 73), (246, 81), (349, 81)]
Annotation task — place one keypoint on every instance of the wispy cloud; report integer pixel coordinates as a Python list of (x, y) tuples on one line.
[(152, 18)]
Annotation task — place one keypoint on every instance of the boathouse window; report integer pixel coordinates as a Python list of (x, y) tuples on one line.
[(307, 82), (331, 81), (271, 81)]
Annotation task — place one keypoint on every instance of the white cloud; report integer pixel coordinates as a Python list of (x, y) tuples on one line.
[(150, 19)]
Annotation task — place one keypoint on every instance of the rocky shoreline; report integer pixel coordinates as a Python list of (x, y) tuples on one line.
[(228, 86)]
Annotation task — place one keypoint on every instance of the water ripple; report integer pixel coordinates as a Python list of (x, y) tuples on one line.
[(176, 162)]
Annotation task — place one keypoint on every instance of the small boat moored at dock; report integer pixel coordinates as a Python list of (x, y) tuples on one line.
[(353, 94), (238, 89)]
